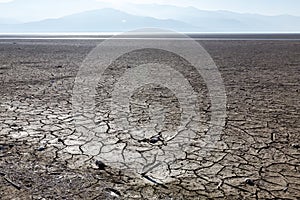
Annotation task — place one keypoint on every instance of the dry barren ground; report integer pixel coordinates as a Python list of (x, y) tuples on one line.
[(44, 157)]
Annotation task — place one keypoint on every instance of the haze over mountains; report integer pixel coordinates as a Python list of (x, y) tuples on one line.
[(183, 19)]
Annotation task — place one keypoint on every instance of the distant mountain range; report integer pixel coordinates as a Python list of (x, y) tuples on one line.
[(183, 19), (223, 21), (102, 20)]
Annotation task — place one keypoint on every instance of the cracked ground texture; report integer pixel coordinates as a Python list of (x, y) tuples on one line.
[(43, 156)]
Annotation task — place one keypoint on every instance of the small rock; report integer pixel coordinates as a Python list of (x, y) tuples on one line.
[(100, 165), (297, 146), (249, 182), (152, 140), (155, 139), (41, 148), (114, 192)]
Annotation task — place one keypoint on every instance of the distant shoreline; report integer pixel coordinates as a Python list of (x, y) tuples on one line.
[(158, 36), (149, 36)]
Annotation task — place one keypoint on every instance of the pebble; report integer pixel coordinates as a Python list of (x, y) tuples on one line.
[(249, 182), (114, 192), (297, 146), (100, 165), (154, 139), (41, 149)]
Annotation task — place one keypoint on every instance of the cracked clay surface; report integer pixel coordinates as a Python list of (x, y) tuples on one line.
[(44, 155)]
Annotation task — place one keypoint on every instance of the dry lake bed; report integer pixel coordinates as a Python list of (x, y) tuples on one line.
[(45, 155)]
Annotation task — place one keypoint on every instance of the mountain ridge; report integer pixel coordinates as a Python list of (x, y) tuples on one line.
[(183, 19)]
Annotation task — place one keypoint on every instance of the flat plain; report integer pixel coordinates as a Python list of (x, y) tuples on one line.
[(44, 157)]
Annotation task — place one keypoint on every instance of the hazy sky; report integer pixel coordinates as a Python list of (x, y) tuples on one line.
[(28, 10)]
